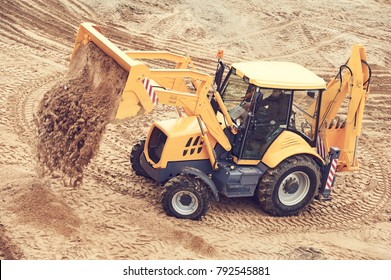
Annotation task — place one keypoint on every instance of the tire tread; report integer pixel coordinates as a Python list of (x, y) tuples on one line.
[(267, 184), (190, 183)]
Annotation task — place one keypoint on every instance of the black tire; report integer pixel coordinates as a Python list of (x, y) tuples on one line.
[(186, 197), (290, 187), (135, 155)]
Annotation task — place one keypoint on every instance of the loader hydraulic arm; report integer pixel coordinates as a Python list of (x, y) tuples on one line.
[(145, 87), (351, 84)]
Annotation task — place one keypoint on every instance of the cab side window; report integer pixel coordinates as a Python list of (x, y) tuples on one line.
[(304, 112)]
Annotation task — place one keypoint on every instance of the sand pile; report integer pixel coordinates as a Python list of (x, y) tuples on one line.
[(72, 115), (35, 203)]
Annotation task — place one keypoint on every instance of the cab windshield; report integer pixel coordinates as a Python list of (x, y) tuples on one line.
[(234, 92), (237, 96)]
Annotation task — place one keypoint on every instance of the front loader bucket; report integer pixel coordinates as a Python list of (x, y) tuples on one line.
[(135, 98)]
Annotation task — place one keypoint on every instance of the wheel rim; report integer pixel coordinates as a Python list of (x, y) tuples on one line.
[(185, 202), (294, 188)]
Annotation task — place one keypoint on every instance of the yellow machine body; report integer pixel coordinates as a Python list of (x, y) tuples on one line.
[(286, 145), (184, 141), (170, 87), (281, 140)]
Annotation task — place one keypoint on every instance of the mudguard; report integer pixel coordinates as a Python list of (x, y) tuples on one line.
[(201, 175)]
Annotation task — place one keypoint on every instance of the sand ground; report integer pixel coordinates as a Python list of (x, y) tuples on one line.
[(116, 214)]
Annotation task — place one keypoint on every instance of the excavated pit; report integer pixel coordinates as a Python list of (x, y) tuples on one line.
[(72, 116)]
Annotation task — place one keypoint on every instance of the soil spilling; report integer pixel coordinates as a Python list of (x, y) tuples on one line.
[(72, 115)]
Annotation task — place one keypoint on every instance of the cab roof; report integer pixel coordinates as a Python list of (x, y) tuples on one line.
[(277, 74)]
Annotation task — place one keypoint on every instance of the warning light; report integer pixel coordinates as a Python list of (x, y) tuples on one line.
[(220, 54)]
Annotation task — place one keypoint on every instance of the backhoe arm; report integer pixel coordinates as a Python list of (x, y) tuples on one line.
[(351, 84)]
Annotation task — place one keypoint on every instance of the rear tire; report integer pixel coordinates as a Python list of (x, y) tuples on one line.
[(135, 155), (186, 197), (290, 187)]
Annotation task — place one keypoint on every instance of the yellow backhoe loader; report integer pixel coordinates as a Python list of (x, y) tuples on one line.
[(272, 130)]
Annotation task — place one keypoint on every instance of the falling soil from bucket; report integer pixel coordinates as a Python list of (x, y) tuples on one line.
[(72, 116)]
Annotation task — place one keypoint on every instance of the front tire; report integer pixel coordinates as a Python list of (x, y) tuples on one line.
[(186, 197), (135, 155), (290, 187)]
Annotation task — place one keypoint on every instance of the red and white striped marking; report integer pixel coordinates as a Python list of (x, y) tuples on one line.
[(330, 178), (320, 147), (152, 94)]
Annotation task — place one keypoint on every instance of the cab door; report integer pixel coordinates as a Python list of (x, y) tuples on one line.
[(267, 119)]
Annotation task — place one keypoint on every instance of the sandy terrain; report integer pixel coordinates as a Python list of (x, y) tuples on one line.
[(115, 214)]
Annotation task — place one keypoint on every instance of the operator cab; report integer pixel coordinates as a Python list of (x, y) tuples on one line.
[(264, 102)]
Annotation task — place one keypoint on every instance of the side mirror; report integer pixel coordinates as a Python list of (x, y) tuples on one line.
[(219, 75)]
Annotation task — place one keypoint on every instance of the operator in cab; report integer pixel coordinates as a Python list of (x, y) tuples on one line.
[(273, 108)]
